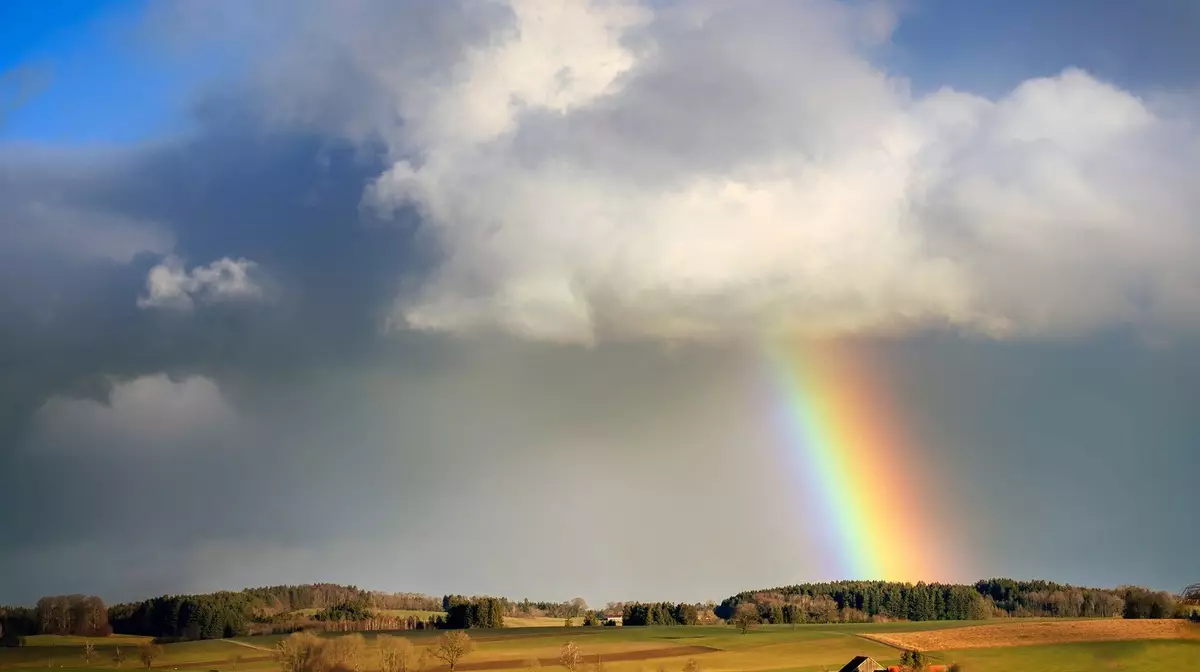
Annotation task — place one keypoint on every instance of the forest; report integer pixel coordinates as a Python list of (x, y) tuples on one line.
[(849, 601), (288, 608)]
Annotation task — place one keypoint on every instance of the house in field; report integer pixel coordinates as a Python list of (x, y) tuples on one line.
[(868, 664), (862, 664)]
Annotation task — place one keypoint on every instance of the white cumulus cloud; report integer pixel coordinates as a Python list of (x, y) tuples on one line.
[(611, 168), (170, 285)]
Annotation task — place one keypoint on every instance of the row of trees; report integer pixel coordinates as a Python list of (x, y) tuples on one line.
[(1044, 598), (210, 616), (374, 623), (659, 613), (1142, 603), (269, 600), (475, 612), (863, 600), (573, 608), (345, 611), (16, 623), (348, 608), (81, 615)]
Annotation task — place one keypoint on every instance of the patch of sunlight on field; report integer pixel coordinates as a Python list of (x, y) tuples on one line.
[(1080, 657), (810, 654)]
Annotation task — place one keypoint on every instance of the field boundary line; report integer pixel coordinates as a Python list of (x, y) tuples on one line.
[(248, 645)]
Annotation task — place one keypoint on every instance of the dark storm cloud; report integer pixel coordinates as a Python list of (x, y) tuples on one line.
[(289, 203), (292, 439), (88, 229)]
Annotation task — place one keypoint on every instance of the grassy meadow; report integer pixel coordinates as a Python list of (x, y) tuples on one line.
[(802, 648)]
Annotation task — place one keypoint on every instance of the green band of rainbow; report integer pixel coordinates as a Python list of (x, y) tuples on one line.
[(856, 465)]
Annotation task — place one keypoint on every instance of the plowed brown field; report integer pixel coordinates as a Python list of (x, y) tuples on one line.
[(1019, 633)]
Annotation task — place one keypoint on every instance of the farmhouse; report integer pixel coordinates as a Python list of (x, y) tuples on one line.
[(868, 664), (862, 664)]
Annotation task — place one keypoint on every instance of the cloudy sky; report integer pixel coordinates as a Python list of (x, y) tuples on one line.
[(471, 296)]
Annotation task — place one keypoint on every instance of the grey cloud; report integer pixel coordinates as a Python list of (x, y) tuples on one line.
[(170, 285), (145, 415), (56, 230), (408, 463)]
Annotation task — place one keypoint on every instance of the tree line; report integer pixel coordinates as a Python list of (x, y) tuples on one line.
[(79, 615), (850, 601), (474, 612), (659, 613), (286, 598), (210, 616), (348, 608), (1044, 598), (1142, 603)]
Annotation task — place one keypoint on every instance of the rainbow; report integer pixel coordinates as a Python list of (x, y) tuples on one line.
[(859, 469)]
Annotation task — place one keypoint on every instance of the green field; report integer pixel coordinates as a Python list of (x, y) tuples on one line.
[(804, 648)]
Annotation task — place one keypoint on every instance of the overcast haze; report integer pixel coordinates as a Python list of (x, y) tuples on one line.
[(469, 296)]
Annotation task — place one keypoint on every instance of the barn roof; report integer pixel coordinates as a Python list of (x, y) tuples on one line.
[(862, 664)]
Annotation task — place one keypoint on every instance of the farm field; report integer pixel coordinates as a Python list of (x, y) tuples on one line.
[(1020, 633), (1112, 644)]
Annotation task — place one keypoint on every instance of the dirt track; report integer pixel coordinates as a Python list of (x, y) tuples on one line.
[(249, 645), (1019, 633)]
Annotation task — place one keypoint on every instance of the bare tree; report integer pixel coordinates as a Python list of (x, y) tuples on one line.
[(691, 665), (301, 652), (570, 658), (452, 647), (118, 657), (746, 616), (396, 654), (533, 665), (425, 659), (89, 652), (148, 653), (345, 652)]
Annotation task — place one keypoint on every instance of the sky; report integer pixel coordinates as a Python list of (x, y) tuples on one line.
[(474, 296)]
